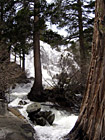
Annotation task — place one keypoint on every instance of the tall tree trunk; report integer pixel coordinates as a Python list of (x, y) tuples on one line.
[(23, 59), (37, 63), (15, 58), (82, 47), (91, 121), (23, 42), (35, 93), (20, 59)]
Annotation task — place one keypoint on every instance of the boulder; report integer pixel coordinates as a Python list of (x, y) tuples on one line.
[(43, 114), (50, 119), (34, 107), (40, 121), (48, 116), (42, 117), (32, 116), (14, 128), (39, 117)]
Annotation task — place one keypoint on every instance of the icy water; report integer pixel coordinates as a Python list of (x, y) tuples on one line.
[(62, 125), (63, 120)]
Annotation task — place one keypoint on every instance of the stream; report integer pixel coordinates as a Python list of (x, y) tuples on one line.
[(63, 123)]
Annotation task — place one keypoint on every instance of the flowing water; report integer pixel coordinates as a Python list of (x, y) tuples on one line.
[(62, 124)]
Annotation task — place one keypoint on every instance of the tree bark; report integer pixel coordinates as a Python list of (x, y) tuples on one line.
[(91, 121), (35, 93), (15, 58)]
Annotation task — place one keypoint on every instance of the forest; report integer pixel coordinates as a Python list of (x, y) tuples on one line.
[(52, 69)]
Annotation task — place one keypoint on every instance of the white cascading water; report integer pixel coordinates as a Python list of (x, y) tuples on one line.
[(63, 120), (61, 126)]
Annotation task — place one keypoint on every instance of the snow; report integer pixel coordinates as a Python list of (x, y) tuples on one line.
[(63, 120)]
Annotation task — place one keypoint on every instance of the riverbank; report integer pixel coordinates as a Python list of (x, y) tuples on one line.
[(14, 128)]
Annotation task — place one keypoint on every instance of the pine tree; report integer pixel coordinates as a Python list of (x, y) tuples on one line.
[(22, 31), (35, 93), (41, 15), (7, 12), (9, 72), (91, 121), (53, 38), (74, 15)]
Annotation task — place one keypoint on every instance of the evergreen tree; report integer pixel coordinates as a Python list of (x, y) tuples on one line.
[(41, 15), (23, 32), (9, 72), (7, 11), (35, 93), (90, 124), (53, 38), (75, 16)]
